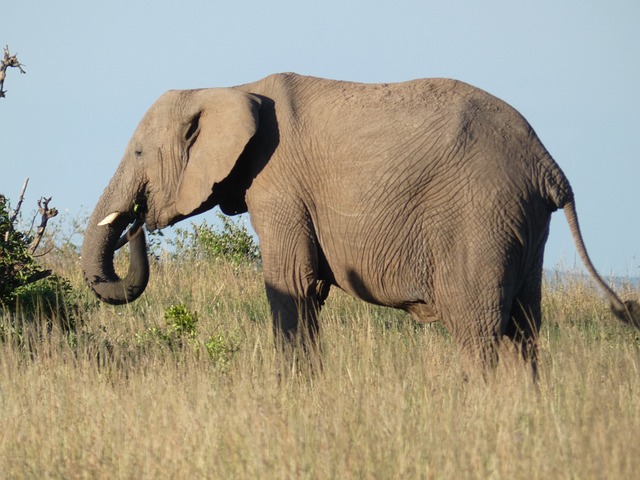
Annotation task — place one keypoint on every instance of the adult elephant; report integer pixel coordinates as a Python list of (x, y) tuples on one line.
[(430, 196)]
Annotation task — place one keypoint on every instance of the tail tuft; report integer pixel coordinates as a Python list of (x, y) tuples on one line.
[(629, 314)]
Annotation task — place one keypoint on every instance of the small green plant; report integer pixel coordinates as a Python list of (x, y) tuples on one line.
[(181, 321), (181, 331), (221, 350), (181, 326), (231, 242)]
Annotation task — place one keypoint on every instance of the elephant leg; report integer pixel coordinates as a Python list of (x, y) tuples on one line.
[(506, 317), (526, 316), (475, 325), (294, 291), (476, 307), (292, 310)]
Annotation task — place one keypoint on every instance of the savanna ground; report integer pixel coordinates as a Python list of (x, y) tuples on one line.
[(186, 383)]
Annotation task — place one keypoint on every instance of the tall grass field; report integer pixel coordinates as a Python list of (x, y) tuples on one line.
[(186, 383)]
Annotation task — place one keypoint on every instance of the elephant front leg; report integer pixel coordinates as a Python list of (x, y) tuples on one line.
[(294, 292), (295, 316)]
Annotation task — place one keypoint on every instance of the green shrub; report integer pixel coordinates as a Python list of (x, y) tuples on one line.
[(180, 333), (231, 242), (17, 266), (181, 321), (221, 350), (25, 287), (52, 296)]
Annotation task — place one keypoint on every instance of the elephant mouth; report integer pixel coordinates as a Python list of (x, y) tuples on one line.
[(139, 215), (129, 222)]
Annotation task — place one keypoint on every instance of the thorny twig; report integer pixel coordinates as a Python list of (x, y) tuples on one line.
[(47, 213), (8, 61)]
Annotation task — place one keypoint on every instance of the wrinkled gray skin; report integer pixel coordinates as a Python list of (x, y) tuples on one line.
[(430, 196)]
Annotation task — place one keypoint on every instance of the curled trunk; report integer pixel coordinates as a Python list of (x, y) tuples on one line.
[(98, 249)]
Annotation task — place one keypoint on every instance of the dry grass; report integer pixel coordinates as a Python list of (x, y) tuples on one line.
[(116, 401)]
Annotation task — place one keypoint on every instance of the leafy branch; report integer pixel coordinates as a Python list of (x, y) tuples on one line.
[(8, 61), (17, 265)]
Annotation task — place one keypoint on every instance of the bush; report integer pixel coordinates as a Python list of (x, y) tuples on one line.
[(26, 287), (181, 320), (232, 242), (17, 266), (50, 296)]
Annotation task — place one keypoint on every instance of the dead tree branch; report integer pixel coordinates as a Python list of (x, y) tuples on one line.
[(16, 211), (46, 213), (8, 61)]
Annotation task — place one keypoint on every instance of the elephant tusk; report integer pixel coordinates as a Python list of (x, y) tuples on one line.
[(109, 219)]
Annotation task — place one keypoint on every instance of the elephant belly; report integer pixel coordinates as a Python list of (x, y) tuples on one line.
[(411, 300), (398, 281)]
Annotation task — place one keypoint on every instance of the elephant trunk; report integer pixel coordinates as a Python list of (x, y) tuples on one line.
[(101, 240)]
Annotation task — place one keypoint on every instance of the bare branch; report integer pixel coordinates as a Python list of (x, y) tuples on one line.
[(15, 212), (44, 254), (47, 213), (8, 61)]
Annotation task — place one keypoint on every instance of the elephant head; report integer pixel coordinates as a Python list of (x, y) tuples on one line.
[(175, 166)]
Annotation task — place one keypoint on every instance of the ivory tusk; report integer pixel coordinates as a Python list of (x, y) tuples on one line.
[(109, 219)]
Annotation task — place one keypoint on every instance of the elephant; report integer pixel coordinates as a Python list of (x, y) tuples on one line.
[(430, 196)]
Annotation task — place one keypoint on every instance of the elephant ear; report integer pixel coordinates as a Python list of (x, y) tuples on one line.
[(215, 136)]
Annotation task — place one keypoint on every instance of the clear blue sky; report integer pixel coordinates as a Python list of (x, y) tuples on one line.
[(572, 67)]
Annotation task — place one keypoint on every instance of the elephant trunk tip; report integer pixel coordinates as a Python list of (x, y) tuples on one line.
[(628, 312), (127, 295), (103, 280)]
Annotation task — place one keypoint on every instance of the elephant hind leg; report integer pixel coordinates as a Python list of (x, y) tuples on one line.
[(500, 336), (475, 320), (477, 311), (524, 323), (516, 321)]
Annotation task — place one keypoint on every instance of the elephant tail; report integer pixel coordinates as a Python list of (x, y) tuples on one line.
[(627, 311)]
